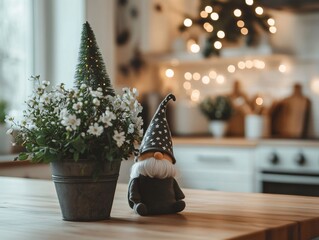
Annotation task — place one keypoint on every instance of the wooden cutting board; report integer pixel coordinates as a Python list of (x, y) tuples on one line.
[(290, 116), (236, 124)]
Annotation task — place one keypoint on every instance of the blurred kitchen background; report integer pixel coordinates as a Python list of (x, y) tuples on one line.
[(253, 65)]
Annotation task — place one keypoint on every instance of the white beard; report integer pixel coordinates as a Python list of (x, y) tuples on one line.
[(153, 168)]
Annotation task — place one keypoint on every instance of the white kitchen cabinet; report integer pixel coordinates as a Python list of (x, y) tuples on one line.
[(224, 168)]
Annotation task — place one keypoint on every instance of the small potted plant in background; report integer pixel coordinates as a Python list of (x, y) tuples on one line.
[(218, 110), (83, 132), (5, 140)]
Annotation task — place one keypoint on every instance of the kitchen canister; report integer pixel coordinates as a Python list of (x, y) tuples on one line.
[(254, 126)]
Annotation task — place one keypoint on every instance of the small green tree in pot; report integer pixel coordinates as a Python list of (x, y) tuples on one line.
[(218, 110)]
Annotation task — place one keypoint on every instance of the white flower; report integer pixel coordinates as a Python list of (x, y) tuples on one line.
[(96, 102), (119, 138), (97, 94), (130, 128), (45, 98), (10, 131), (9, 119), (135, 92), (83, 86), (77, 106), (71, 122), (95, 130), (46, 83), (107, 117)]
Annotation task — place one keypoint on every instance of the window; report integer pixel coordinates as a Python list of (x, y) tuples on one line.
[(16, 51)]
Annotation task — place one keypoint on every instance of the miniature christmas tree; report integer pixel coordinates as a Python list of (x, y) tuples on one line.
[(91, 68)]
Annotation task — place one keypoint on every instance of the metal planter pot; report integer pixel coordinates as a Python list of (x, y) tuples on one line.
[(81, 197)]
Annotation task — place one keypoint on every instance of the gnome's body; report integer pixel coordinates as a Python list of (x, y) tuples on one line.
[(153, 188)]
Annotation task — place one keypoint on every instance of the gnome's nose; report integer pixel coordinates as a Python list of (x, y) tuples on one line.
[(158, 156)]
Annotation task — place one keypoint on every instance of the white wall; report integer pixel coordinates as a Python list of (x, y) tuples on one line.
[(101, 16), (68, 17), (58, 27)]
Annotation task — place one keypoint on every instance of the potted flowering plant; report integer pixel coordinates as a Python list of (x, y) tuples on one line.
[(218, 110), (84, 132), (79, 123)]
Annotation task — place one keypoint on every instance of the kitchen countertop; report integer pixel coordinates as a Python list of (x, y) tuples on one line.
[(243, 142), (29, 210)]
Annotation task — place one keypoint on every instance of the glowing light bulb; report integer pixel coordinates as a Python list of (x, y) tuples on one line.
[(218, 45), (231, 68), (187, 85), (240, 23), (212, 74), (208, 9), (221, 34), (188, 76), (273, 29), (203, 14), (237, 12), (195, 48), (259, 64), (249, 2), (249, 64), (271, 21), (314, 85), (220, 79), (259, 10), (208, 27), (241, 65), (188, 22), (259, 101), (195, 95), (282, 68), (214, 16), (244, 31), (169, 73), (205, 79), (196, 76)]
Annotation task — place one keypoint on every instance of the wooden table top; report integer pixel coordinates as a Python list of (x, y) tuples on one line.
[(29, 209)]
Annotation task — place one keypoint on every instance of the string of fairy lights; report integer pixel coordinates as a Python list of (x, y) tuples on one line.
[(191, 79), (228, 21)]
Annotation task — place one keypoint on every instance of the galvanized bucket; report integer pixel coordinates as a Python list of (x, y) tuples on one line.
[(81, 196)]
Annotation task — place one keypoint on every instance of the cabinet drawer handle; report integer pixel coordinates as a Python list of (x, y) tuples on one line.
[(215, 159)]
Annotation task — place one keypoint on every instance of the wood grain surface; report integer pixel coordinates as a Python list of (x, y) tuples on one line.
[(29, 210)]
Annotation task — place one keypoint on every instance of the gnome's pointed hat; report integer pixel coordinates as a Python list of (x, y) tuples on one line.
[(158, 136)]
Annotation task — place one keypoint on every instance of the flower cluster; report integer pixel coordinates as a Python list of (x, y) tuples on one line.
[(79, 123)]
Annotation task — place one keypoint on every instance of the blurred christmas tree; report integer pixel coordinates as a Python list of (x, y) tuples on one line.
[(91, 68), (229, 21)]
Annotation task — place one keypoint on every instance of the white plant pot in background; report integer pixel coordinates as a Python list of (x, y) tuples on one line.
[(5, 140), (254, 126), (218, 128)]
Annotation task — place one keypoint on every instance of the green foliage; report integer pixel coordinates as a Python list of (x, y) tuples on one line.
[(219, 108), (91, 69), (3, 108)]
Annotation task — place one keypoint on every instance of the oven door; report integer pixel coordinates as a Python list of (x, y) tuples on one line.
[(304, 184)]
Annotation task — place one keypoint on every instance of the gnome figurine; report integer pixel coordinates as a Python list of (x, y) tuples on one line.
[(152, 188)]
